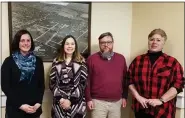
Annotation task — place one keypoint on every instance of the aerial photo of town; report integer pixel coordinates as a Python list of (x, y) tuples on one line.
[(50, 22)]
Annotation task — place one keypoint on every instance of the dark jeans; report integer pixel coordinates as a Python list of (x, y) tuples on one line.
[(142, 114)]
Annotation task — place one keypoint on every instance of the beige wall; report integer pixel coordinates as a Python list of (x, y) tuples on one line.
[(0, 52), (130, 25), (102, 20), (168, 16), (116, 18), (5, 35)]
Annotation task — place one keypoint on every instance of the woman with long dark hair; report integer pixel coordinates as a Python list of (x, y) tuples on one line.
[(68, 81)]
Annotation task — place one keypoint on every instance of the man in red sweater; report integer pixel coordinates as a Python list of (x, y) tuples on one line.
[(107, 89)]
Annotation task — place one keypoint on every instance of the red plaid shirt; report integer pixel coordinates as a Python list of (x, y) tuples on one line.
[(152, 81)]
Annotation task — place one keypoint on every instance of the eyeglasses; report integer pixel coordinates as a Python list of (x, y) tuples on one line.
[(106, 42)]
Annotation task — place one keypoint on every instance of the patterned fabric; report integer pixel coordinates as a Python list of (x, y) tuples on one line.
[(68, 82), (153, 81), (26, 64)]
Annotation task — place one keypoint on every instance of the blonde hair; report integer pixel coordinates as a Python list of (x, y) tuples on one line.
[(158, 31)]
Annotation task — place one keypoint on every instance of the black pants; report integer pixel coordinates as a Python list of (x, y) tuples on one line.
[(6, 116), (142, 114)]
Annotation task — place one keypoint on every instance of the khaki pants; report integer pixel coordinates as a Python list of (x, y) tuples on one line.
[(106, 109)]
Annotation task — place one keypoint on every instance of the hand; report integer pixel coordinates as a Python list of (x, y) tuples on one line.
[(143, 101), (27, 108), (61, 101), (124, 102), (36, 106), (65, 104), (154, 102), (90, 105)]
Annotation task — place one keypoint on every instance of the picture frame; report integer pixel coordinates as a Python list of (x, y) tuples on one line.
[(49, 23)]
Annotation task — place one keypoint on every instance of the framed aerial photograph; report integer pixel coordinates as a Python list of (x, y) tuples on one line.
[(49, 23)]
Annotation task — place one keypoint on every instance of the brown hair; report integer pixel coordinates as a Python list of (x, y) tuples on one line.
[(158, 31), (17, 38), (76, 55), (105, 34)]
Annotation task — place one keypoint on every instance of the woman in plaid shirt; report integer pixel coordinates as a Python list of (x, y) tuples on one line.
[(155, 79)]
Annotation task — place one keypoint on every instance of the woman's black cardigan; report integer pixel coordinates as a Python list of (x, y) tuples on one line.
[(22, 92)]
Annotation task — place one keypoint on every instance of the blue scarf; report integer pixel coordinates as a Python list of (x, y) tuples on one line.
[(26, 64)]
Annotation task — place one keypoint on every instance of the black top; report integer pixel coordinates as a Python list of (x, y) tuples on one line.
[(154, 56), (21, 92)]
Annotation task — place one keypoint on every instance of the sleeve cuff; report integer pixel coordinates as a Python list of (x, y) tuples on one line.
[(178, 89), (125, 95), (88, 99)]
